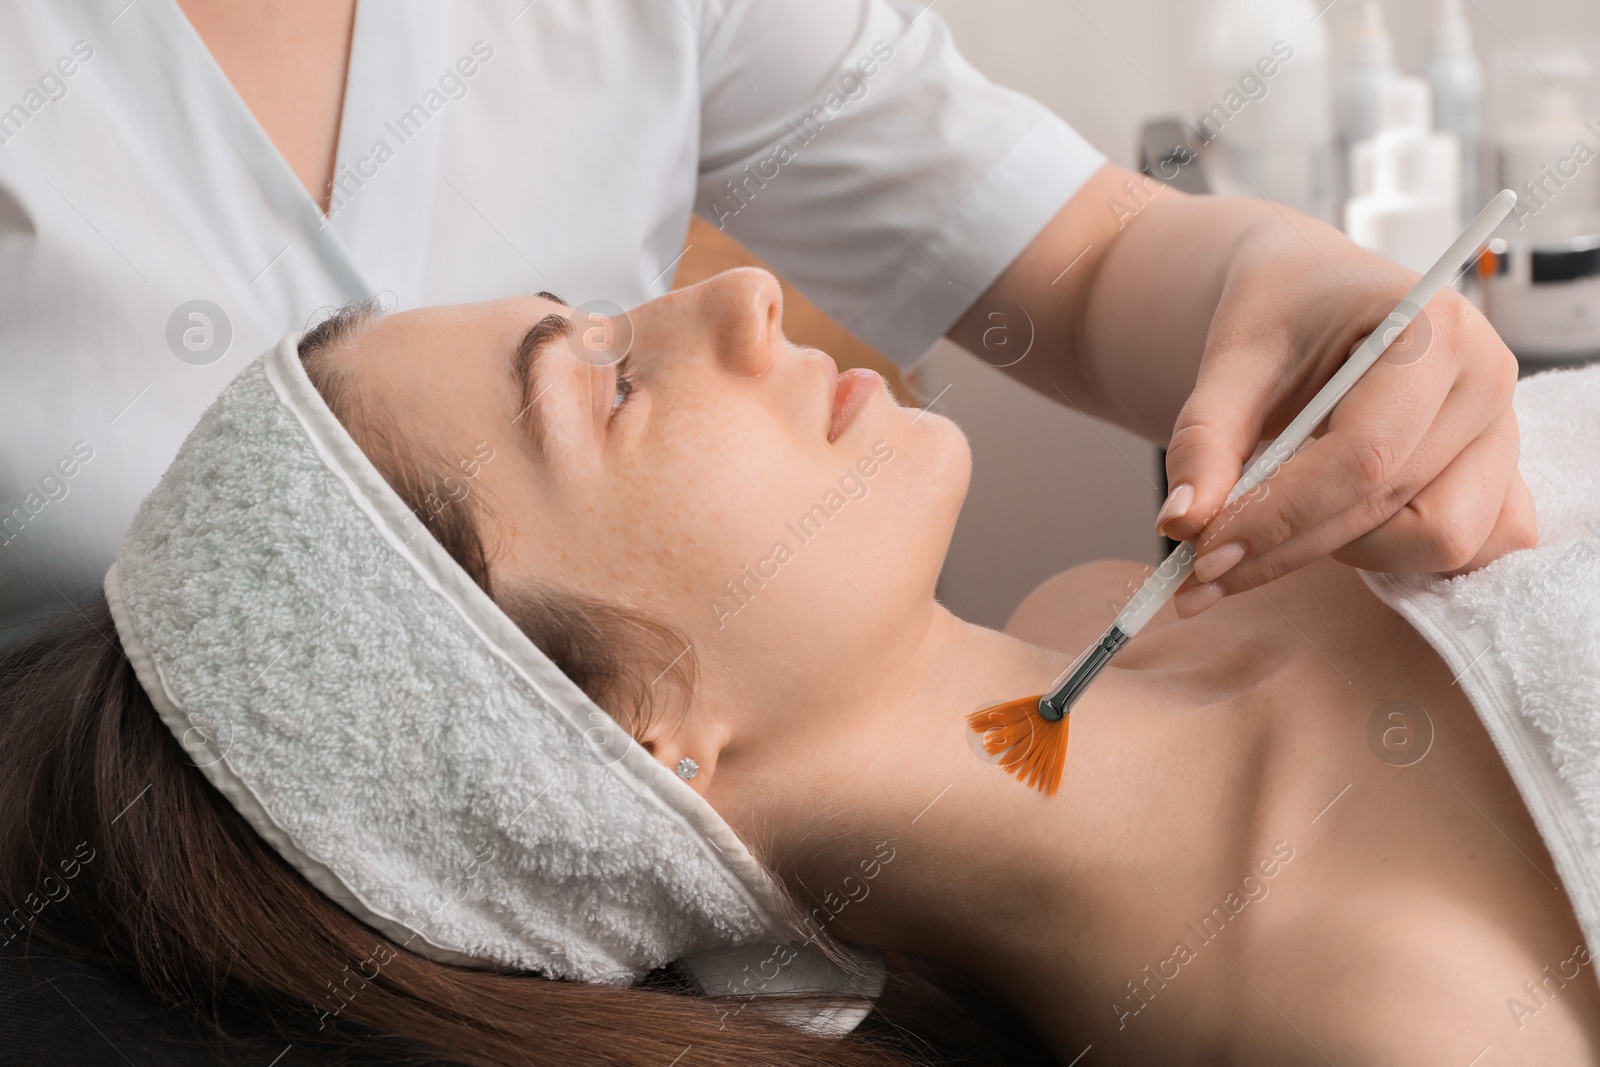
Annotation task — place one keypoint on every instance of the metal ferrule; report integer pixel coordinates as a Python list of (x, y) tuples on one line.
[(1055, 704)]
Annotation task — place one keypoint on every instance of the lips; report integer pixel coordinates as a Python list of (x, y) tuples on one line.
[(851, 392)]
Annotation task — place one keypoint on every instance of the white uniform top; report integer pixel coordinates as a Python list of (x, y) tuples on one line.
[(487, 147)]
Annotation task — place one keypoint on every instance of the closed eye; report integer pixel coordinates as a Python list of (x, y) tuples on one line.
[(526, 365), (625, 386)]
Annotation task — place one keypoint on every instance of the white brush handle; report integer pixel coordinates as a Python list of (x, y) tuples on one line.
[(1160, 586)]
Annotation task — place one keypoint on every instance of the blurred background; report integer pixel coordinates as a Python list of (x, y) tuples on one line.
[(1394, 120)]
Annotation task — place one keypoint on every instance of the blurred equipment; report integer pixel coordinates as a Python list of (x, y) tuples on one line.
[(1260, 70), (1359, 97), (1405, 180), (1543, 299), (1541, 278), (1540, 104), (1168, 154), (1456, 78)]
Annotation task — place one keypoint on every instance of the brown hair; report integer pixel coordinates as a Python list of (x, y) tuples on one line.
[(169, 886)]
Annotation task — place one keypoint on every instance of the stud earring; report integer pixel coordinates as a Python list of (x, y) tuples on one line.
[(687, 768)]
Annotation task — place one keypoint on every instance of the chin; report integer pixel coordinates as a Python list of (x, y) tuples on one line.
[(917, 497), (938, 466), (949, 462)]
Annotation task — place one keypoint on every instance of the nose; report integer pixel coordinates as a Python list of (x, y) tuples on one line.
[(741, 314)]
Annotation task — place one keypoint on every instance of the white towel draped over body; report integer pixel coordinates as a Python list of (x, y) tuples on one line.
[(1523, 633)]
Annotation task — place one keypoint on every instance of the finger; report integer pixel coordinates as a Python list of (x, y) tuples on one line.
[(1392, 434), (1481, 384), (1231, 385), (1516, 528), (1460, 439), (1445, 528), (1369, 437), (1441, 527), (1213, 437), (1447, 499)]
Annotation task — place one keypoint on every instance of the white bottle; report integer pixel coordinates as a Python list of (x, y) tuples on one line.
[(1558, 192), (1261, 89), (1407, 181), (1456, 77), (1359, 95)]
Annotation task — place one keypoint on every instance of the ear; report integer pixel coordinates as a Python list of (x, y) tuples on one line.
[(702, 742)]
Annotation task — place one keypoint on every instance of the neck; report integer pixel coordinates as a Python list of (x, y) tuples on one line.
[(906, 837)]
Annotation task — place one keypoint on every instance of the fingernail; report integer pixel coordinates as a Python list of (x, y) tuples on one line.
[(1218, 561), (1193, 601), (1176, 504)]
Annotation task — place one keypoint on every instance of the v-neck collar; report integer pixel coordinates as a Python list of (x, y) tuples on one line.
[(375, 237), (386, 169)]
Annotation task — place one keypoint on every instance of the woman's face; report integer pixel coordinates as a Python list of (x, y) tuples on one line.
[(697, 480)]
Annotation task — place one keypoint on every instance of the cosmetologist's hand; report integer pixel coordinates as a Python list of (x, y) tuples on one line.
[(1414, 470), (1208, 323)]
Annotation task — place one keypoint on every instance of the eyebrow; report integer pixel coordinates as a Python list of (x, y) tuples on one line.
[(526, 365)]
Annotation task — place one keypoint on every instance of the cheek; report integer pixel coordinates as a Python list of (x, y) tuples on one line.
[(668, 526), (686, 531), (817, 566)]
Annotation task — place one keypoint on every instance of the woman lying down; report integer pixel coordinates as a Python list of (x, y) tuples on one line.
[(334, 737)]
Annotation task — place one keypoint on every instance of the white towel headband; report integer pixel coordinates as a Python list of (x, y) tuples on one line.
[(386, 728)]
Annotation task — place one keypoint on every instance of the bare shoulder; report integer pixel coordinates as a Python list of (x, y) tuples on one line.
[(1073, 607), (1423, 975)]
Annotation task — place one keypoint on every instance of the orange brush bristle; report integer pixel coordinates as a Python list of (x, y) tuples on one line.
[(1030, 747)]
